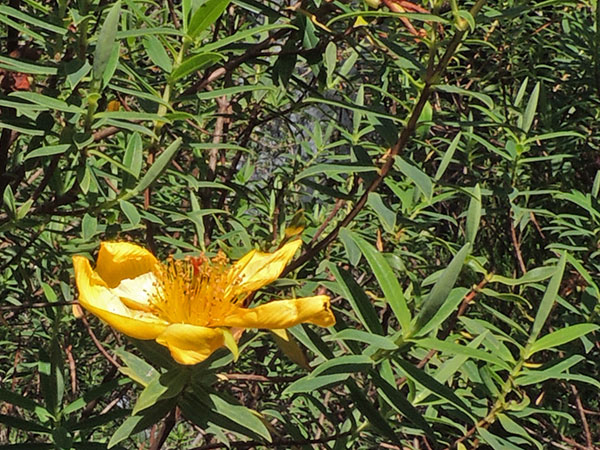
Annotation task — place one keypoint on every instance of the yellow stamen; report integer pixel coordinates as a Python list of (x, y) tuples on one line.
[(194, 290)]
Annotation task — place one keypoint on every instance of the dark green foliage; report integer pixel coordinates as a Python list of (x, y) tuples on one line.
[(449, 184)]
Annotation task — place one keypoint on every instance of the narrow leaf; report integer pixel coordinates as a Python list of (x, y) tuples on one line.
[(205, 16), (473, 215), (387, 280), (158, 167), (106, 41), (548, 300), (561, 337), (442, 288)]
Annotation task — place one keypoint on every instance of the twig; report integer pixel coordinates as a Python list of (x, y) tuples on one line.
[(259, 378), (334, 211), (72, 369), (173, 13), (574, 443), (584, 422), (36, 305), (104, 133), (232, 64), (223, 107), (165, 429), (433, 73), (98, 344), (517, 247)]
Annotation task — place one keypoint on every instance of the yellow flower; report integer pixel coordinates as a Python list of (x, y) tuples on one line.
[(189, 305)]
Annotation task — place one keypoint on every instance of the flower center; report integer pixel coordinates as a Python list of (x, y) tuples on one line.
[(195, 290)]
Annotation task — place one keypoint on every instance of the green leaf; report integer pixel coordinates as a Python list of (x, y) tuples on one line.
[(134, 155), (205, 16), (22, 424), (420, 178), (533, 276), (528, 377), (560, 337), (483, 98), (135, 424), (106, 41), (22, 402), (165, 386), (159, 166), (129, 115), (365, 406), (473, 215), (137, 369), (47, 151), (93, 394), (89, 225), (449, 306), (312, 384), (387, 281), (352, 250), (130, 211), (47, 101), (243, 35), (441, 290), (547, 301), (398, 401), (31, 20), (433, 385), (360, 302), (9, 201), (447, 158), (343, 364), (449, 368), (244, 417), (157, 53), (15, 65), (332, 169), (387, 217), (528, 116), (376, 340), (457, 349), (193, 64), (330, 59)]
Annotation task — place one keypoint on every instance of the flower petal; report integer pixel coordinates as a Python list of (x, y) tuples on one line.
[(191, 344), (283, 314), (100, 301), (136, 293), (258, 269), (120, 260)]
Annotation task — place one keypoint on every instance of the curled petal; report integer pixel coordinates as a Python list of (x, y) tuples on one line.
[(191, 344), (120, 260), (100, 301), (257, 269), (136, 293), (283, 314)]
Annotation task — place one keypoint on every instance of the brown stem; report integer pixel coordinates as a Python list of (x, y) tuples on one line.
[(98, 344), (517, 246), (433, 73), (36, 305), (584, 421), (173, 13), (257, 378), (165, 429), (235, 62)]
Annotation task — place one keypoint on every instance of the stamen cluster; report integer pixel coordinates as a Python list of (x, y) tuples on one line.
[(194, 290)]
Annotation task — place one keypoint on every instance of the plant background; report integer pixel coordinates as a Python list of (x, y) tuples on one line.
[(443, 165)]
